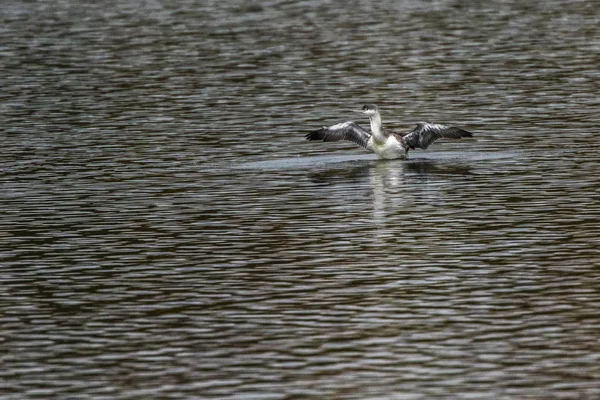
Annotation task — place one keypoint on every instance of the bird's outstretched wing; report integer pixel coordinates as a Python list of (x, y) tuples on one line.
[(344, 131), (425, 134)]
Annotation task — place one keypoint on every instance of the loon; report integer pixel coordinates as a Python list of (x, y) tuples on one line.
[(386, 143)]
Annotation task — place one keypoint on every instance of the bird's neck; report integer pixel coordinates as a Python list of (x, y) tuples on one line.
[(376, 127)]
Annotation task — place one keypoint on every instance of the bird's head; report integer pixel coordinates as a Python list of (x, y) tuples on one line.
[(369, 110)]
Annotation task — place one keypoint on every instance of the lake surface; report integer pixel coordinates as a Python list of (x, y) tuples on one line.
[(166, 232)]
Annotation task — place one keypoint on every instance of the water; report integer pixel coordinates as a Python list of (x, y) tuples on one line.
[(166, 231)]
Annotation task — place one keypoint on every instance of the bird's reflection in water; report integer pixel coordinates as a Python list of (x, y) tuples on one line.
[(429, 167), (406, 189), (389, 172), (395, 185)]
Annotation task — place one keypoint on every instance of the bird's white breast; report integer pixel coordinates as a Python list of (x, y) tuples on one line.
[(389, 149)]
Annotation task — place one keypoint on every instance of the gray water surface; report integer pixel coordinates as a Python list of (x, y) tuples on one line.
[(166, 232)]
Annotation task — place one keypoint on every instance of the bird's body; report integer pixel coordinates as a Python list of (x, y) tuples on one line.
[(386, 143), (390, 148)]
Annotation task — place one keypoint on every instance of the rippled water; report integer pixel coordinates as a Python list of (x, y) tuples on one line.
[(167, 232)]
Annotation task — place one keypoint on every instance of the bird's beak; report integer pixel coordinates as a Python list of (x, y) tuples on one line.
[(358, 111)]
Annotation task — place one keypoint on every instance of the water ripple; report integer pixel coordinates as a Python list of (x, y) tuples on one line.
[(167, 232)]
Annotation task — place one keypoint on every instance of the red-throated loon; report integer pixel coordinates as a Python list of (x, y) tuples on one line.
[(384, 142)]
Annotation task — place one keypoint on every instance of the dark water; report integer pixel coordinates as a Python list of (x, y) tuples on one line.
[(166, 232)]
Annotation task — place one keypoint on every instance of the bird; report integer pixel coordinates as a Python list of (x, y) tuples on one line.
[(385, 143)]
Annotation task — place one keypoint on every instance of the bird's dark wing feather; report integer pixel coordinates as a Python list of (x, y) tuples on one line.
[(344, 131), (425, 134)]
